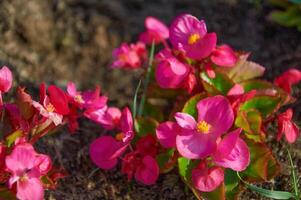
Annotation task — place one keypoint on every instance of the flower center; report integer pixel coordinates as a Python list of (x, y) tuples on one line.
[(119, 136), (193, 38), (203, 127), (78, 98), (50, 107)]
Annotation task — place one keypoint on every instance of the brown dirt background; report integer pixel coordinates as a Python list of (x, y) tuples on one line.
[(60, 40)]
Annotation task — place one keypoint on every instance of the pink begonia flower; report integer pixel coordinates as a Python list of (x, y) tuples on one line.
[(105, 150), (232, 152), (288, 79), (189, 35), (197, 139), (286, 126), (129, 56), (156, 31), (27, 167), (53, 106), (224, 56), (236, 90), (144, 167), (87, 99), (6, 79), (171, 73), (207, 179)]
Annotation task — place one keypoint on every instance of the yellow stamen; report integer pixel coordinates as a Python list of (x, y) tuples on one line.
[(193, 38), (119, 136), (78, 98), (50, 107), (203, 127)]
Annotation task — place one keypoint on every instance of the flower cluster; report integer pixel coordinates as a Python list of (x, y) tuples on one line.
[(204, 110)]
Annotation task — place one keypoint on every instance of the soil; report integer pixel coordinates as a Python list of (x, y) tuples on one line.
[(60, 40)]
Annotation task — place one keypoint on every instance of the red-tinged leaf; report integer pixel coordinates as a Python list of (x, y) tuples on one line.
[(221, 82), (167, 160), (190, 105), (263, 165), (244, 70), (218, 194), (24, 102), (250, 121), (6, 194), (266, 105)]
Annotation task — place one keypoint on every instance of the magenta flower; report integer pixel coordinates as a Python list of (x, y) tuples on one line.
[(156, 31), (129, 56), (109, 119), (286, 126), (144, 167), (27, 167), (198, 139), (189, 35), (105, 150), (171, 73), (232, 152), (207, 179), (224, 56)]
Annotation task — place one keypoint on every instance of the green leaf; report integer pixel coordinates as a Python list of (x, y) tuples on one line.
[(221, 82), (244, 70), (270, 193), (185, 167), (266, 105), (134, 107), (12, 137), (263, 165), (145, 125), (153, 111), (166, 160), (289, 18), (6, 194), (293, 175), (190, 105)]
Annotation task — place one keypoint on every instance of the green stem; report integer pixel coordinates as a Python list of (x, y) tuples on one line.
[(146, 80), (293, 173), (134, 107)]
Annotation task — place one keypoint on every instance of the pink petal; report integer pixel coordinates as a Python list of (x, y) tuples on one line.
[(207, 180), (71, 89), (171, 73), (217, 112), (126, 121), (194, 145), (224, 56), (148, 172), (288, 79), (105, 150), (166, 134), (232, 152), (6, 79), (237, 89), (59, 100), (43, 163), (153, 24), (30, 189), (22, 158), (291, 132), (203, 47), (185, 121)]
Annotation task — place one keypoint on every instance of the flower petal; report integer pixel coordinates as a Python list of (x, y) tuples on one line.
[(194, 145), (30, 189), (185, 121), (217, 112), (6, 79), (126, 121), (224, 56), (167, 133), (105, 150), (148, 172), (207, 180)]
